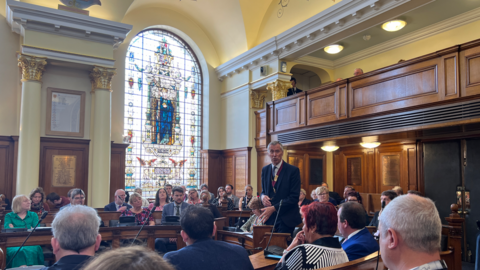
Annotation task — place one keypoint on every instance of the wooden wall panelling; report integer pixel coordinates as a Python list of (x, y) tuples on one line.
[(270, 118), (15, 160), (212, 169), (411, 153), (298, 160), (262, 160), (301, 159), (289, 112), (7, 180), (49, 147), (449, 76), (237, 168), (345, 170), (470, 68), (388, 158), (117, 168), (370, 167), (343, 101), (420, 183), (261, 128), (322, 106)]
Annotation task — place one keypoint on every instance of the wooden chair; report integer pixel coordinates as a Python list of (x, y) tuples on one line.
[(375, 203)]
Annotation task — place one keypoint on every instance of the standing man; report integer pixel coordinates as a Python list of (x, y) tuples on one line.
[(294, 89), (280, 183), (119, 204), (230, 195), (410, 234)]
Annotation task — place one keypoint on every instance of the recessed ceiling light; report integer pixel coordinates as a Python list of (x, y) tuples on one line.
[(370, 144), (394, 25), (329, 148), (333, 49)]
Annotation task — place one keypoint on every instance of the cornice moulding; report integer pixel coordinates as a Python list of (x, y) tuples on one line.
[(315, 62), (23, 16), (68, 57), (235, 91)]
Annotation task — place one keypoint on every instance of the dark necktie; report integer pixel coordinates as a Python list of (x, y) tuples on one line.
[(178, 211)]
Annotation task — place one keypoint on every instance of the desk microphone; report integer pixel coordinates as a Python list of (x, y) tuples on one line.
[(145, 222), (44, 214), (274, 252)]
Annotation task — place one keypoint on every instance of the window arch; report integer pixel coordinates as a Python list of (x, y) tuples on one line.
[(163, 112)]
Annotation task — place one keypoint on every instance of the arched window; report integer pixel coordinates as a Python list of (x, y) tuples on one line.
[(163, 112)]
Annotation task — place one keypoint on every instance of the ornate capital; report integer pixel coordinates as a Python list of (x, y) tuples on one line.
[(258, 98), (279, 89), (32, 67), (101, 78)]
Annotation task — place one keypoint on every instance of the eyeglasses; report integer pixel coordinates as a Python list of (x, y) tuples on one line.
[(322, 194)]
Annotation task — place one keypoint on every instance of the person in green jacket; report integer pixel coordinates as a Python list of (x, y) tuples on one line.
[(21, 217)]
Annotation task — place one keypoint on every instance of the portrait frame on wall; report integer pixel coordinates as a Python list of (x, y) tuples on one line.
[(65, 112)]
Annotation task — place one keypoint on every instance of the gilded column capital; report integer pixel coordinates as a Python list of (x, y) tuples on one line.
[(258, 98), (101, 78), (279, 89), (32, 67)]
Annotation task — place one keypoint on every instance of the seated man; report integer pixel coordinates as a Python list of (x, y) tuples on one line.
[(359, 242), (333, 194), (231, 196), (387, 196), (174, 208), (202, 252), (346, 190), (77, 197), (72, 250), (119, 205), (410, 234), (57, 201)]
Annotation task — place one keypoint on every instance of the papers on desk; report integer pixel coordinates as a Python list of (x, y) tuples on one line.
[(246, 233)]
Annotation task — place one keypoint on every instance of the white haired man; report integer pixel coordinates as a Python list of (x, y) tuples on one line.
[(73, 250), (410, 232)]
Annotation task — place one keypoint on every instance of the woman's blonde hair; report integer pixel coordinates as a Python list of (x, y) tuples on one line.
[(209, 197), (38, 190), (320, 190), (135, 195), (303, 191), (17, 203), (137, 257)]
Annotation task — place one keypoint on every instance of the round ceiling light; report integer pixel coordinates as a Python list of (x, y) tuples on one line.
[(333, 49), (329, 148), (370, 144), (394, 25)]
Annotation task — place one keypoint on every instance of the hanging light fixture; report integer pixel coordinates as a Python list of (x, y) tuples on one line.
[(370, 144), (329, 148), (333, 49), (394, 25)]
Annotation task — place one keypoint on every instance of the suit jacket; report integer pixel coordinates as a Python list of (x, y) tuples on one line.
[(287, 190), (70, 262), (335, 195), (169, 210), (291, 91), (113, 208), (360, 245), (374, 221), (199, 256)]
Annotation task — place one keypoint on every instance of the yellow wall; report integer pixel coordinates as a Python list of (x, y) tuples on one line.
[(9, 77)]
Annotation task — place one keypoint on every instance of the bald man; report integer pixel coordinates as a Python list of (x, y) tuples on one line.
[(119, 204), (357, 72)]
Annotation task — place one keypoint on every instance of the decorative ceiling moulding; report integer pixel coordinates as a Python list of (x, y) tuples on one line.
[(337, 22), (23, 16)]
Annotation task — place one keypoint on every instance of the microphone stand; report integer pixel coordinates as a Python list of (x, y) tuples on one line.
[(267, 251), (240, 217), (143, 225), (44, 214)]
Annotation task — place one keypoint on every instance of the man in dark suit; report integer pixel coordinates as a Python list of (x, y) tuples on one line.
[(410, 234), (73, 250), (386, 197), (119, 204), (359, 242), (280, 183), (202, 252), (175, 208), (333, 194), (294, 89)]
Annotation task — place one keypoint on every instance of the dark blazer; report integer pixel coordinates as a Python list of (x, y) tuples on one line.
[(288, 191), (374, 221), (70, 262), (199, 256), (335, 195), (305, 202), (113, 208), (291, 92), (169, 210), (360, 245)]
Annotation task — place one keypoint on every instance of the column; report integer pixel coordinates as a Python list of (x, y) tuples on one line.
[(28, 163), (101, 79), (279, 89), (257, 98)]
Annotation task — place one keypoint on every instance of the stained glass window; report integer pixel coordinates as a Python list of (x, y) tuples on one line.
[(163, 111)]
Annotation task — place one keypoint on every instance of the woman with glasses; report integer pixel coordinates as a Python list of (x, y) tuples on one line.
[(323, 195)]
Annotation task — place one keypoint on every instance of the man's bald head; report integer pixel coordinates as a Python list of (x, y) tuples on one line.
[(119, 196), (358, 71)]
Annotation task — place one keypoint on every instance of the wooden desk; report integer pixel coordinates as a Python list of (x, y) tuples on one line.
[(259, 262), (237, 213), (114, 234), (260, 237)]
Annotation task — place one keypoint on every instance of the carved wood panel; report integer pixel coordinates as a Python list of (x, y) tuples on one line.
[(212, 169), (237, 168), (261, 128), (117, 168), (470, 66), (286, 115), (262, 160), (302, 159), (322, 106), (7, 155)]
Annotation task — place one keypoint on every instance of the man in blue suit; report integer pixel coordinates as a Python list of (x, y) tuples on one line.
[(202, 252), (280, 183), (175, 208), (119, 204), (359, 242)]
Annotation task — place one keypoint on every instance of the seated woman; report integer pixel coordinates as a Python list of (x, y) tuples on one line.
[(140, 213), (20, 217), (314, 196), (161, 199), (302, 200), (255, 220), (205, 198), (315, 247), (193, 197), (37, 197), (145, 202), (244, 201), (222, 195), (324, 196)]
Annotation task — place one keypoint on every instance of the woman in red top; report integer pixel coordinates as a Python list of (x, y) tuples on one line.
[(140, 213)]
